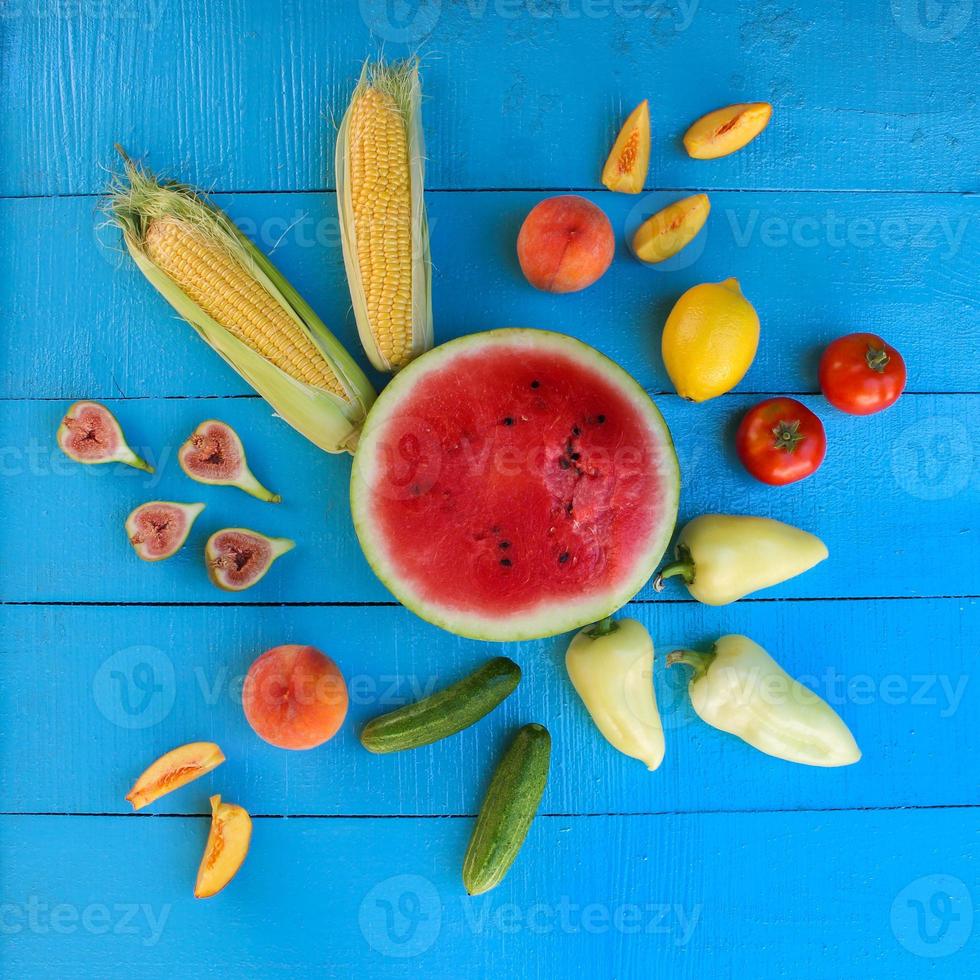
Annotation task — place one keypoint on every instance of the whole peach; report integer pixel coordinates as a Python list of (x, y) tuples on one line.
[(294, 697), (565, 244)]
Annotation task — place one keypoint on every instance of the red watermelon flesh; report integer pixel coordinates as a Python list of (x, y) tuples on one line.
[(515, 483)]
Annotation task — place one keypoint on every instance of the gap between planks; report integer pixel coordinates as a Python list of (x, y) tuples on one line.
[(247, 395), (391, 604), (589, 189), (472, 816)]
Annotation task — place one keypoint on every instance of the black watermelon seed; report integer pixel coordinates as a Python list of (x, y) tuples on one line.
[(508, 421), (563, 463), (505, 545), (563, 557), (506, 562), (576, 431), (600, 419), (576, 456), (535, 384)]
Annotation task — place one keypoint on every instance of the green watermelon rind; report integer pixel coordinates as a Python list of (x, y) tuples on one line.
[(547, 619)]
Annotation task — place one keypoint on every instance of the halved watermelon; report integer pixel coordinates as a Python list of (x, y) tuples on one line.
[(514, 484)]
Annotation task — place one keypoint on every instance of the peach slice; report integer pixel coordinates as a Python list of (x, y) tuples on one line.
[(629, 159), (726, 130), (173, 770), (670, 229), (228, 840)]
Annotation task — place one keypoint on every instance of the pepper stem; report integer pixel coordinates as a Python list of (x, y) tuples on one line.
[(683, 567), (699, 662), (603, 628)]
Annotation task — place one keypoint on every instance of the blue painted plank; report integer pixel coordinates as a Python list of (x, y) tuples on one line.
[(916, 466), (804, 895), (113, 688), (814, 265), (866, 95)]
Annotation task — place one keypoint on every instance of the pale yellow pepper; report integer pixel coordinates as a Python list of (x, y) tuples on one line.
[(611, 666), (738, 688), (723, 557)]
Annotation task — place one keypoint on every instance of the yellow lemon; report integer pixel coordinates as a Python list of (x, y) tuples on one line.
[(710, 339)]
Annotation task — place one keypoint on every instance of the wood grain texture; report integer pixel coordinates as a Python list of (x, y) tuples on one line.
[(814, 265), (682, 896), (856, 209), (917, 465), (131, 683), (239, 95)]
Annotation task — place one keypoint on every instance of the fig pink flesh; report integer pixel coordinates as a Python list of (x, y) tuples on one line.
[(90, 434), (240, 557), (160, 529), (215, 454)]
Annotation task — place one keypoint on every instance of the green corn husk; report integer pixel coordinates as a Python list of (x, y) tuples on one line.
[(400, 82), (330, 421)]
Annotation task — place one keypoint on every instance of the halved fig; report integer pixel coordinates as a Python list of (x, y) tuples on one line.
[(726, 130), (214, 454), (629, 160), (237, 557), (89, 433), (228, 840), (158, 529), (176, 768), (671, 229)]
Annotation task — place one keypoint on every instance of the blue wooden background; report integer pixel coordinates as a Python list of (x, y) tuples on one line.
[(857, 209)]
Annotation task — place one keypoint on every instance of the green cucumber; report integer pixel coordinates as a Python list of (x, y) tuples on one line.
[(508, 809), (444, 713)]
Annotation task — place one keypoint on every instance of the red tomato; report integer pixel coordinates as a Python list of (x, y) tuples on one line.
[(861, 374), (780, 441)]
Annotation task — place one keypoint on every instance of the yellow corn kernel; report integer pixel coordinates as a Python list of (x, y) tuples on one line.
[(218, 283), (380, 190)]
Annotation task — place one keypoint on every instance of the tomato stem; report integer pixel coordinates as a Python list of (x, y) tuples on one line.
[(787, 435), (877, 358)]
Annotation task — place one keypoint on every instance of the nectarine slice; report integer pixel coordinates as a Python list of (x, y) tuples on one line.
[(228, 840), (294, 697), (670, 229), (565, 244), (177, 768), (629, 159), (726, 130)]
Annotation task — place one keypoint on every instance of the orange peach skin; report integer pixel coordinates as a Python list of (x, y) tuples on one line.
[(228, 840), (726, 130), (294, 697), (565, 244), (176, 768)]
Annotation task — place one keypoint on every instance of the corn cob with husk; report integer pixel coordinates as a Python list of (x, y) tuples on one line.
[(380, 167), (241, 305)]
